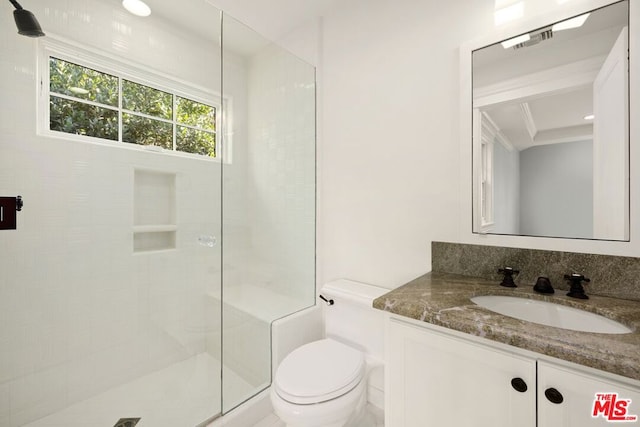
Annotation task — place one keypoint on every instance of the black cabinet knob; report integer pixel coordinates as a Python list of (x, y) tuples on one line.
[(519, 385), (554, 396)]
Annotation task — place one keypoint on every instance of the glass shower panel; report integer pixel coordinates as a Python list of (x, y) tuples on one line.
[(110, 285), (268, 202)]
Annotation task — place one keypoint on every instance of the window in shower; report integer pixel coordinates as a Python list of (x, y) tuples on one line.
[(87, 102)]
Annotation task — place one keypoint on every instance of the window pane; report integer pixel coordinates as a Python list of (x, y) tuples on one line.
[(147, 100), (196, 114), (82, 119), (74, 80), (195, 141), (143, 131)]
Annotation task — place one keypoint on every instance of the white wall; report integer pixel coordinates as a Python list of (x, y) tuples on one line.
[(556, 190), (390, 145), (394, 172)]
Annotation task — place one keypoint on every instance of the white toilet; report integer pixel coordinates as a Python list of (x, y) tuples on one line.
[(325, 383)]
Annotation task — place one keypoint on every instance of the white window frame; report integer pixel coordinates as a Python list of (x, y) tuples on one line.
[(486, 184), (485, 133), (66, 50)]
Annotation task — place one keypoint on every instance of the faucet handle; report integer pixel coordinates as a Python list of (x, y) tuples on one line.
[(576, 290), (576, 277), (508, 272)]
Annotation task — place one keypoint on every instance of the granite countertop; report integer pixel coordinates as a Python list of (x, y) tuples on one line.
[(443, 299)]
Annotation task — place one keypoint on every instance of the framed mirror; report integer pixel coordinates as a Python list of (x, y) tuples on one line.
[(550, 128)]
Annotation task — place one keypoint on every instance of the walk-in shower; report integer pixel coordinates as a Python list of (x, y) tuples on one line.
[(167, 168)]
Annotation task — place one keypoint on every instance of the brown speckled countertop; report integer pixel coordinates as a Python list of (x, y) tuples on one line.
[(443, 299)]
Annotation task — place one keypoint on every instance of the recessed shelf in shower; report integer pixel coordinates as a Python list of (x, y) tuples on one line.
[(154, 211)]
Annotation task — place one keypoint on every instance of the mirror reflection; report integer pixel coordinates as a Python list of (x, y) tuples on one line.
[(550, 130)]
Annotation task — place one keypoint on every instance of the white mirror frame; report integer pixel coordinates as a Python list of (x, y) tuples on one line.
[(565, 11)]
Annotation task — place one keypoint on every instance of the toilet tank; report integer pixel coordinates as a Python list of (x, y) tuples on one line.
[(352, 319)]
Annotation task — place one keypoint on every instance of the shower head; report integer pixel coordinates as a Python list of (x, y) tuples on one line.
[(26, 22)]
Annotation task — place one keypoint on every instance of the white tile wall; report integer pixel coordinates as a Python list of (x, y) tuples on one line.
[(282, 171), (269, 193), (79, 311)]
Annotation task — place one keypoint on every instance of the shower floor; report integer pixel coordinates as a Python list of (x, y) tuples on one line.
[(182, 395)]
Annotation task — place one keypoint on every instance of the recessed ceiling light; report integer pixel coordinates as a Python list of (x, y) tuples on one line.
[(137, 7), (570, 23), (589, 117), (516, 40)]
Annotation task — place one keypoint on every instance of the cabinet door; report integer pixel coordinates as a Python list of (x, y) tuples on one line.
[(579, 390), (439, 380)]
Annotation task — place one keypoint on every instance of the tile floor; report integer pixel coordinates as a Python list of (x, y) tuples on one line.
[(183, 394), (374, 418), (179, 395)]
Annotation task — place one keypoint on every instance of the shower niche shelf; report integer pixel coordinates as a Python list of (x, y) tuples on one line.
[(154, 211)]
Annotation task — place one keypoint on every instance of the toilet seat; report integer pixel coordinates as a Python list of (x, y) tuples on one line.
[(319, 371)]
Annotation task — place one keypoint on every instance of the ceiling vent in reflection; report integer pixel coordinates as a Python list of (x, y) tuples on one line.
[(535, 38)]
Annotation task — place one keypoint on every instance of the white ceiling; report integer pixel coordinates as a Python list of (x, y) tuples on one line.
[(599, 22), (273, 19), (547, 120), (557, 117)]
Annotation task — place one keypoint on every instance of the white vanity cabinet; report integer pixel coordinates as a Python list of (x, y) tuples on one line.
[(438, 380), (578, 391), (441, 379)]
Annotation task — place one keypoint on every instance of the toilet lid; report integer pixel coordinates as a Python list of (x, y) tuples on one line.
[(319, 371)]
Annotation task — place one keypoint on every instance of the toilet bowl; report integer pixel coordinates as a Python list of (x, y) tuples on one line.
[(321, 384), (325, 383)]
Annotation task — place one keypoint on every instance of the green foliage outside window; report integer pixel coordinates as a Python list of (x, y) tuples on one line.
[(147, 100), (82, 119), (74, 80), (195, 114), (144, 131), (195, 141), (84, 101)]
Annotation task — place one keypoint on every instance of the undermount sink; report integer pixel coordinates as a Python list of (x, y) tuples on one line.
[(550, 314)]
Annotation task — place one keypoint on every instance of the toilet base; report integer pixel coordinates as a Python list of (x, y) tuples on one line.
[(345, 411)]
